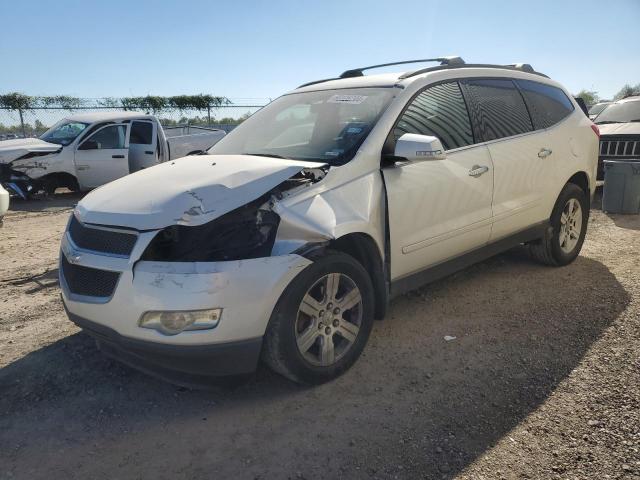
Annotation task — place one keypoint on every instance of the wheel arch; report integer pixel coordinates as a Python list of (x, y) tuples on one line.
[(61, 179), (581, 179), (364, 249)]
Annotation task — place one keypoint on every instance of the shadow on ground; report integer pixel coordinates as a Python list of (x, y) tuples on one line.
[(35, 283), (42, 203), (414, 406)]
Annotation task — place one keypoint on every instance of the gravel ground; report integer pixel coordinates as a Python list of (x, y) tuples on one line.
[(541, 381)]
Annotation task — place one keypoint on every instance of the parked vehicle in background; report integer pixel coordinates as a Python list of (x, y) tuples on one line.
[(597, 108), (4, 203), (88, 150), (619, 127), (289, 238)]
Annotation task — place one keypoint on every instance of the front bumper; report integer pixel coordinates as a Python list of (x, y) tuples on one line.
[(245, 290), (192, 365)]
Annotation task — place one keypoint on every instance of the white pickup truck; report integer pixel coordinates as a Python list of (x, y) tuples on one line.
[(87, 150)]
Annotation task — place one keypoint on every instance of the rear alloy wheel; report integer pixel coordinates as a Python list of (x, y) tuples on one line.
[(570, 226), (322, 321), (563, 238)]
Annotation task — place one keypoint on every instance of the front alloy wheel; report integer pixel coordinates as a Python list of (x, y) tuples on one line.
[(329, 319), (322, 321)]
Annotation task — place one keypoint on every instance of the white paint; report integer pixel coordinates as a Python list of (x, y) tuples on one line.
[(189, 191)]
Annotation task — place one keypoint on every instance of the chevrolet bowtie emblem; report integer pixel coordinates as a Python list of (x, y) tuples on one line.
[(73, 256)]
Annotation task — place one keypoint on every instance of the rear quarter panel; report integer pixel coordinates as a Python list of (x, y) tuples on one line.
[(575, 149)]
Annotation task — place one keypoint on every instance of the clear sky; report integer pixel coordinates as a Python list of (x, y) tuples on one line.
[(243, 49)]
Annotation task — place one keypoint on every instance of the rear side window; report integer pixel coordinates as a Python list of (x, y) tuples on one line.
[(548, 105), (439, 111), (141, 133), (497, 108)]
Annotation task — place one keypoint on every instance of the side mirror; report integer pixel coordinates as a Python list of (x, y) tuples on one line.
[(416, 148)]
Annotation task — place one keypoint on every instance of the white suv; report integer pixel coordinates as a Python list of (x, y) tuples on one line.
[(292, 234)]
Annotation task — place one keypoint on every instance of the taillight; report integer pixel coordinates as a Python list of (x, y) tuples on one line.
[(595, 129)]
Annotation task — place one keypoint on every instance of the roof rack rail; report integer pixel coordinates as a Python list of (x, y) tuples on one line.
[(358, 72), (522, 67)]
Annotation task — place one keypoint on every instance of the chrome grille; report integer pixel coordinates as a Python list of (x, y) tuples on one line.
[(619, 147), (101, 240), (87, 281)]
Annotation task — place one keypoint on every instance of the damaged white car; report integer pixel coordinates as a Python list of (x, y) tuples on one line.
[(87, 150), (290, 237)]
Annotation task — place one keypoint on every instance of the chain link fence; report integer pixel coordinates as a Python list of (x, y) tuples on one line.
[(34, 122)]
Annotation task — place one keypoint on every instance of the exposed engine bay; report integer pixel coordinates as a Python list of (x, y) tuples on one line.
[(244, 233)]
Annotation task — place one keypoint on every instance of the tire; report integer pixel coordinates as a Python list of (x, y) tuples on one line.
[(561, 245), (320, 328), (49, 185)]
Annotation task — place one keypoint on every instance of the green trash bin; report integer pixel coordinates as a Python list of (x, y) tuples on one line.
[(621, 193)]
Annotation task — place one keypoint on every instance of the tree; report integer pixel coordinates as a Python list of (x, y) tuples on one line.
[(628, 91), (590, 97)]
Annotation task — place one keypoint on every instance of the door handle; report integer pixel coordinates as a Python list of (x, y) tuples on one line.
[(148, 152), (117, 156), (544, 152), (478, 170)]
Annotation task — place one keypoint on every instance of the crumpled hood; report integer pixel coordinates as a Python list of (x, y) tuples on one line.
[(19, 147), (631, 128), (189, 191)]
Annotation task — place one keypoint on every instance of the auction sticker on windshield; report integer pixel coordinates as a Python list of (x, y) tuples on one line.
[(350, 99)]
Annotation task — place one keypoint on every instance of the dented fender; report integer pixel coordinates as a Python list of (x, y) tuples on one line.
[(357, 206)]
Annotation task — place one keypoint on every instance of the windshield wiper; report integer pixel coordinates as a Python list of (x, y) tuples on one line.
[(270, 155), (605, 122)]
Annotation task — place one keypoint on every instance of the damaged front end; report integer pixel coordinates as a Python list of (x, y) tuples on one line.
[(245, 233)]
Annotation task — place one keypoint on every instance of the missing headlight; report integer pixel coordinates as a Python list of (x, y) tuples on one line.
[(244, 233)]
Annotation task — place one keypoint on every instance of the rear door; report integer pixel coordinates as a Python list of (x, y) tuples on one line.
[(438, 209), (103, 156), (549, 107), (143, 151), (520, 155)]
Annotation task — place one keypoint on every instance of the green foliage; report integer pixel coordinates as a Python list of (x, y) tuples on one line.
[(628, 91), (150, 103), (17, 101), (198, 102), (21, 102), (590, 97)]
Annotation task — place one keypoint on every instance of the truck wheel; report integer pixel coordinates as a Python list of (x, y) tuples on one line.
[(49, 185), (322, 321), (563, 239)]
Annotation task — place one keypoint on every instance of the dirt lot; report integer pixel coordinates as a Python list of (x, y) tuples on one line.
[(542, 381)]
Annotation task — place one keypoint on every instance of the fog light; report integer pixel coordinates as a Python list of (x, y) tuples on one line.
[(172, 323)]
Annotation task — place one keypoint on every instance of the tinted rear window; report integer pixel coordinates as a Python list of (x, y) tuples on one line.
[(548, 105), (141, 133), (497, 108)]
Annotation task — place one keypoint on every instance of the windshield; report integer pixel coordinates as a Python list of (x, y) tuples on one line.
[(622, 112), (597, 108), (326, 126), (64, 133)]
